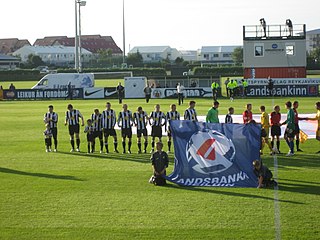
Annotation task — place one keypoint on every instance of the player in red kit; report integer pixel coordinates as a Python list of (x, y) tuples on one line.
[(247, 114)]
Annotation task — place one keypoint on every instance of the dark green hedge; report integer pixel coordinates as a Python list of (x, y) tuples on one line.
[(218, 71)]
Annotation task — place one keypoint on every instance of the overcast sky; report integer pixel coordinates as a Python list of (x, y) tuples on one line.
[(183, 24)]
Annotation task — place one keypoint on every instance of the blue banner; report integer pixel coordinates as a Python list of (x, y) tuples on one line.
[(213, 154)]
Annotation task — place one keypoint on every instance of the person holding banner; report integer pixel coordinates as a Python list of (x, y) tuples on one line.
[(263, 174), (190, 113), (213, 113), (157, 119), (171, 115), (290, 130)]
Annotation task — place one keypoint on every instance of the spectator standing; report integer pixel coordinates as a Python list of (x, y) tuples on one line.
[(215, 89), (147, 92), (120, 91), (180, 89)]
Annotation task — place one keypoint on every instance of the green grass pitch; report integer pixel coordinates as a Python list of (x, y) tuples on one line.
[(78, 196)]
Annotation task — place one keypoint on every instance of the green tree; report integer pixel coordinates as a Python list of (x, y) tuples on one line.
[(237, 55), (34, 61), (313, 59), (179, 61), (135, 59)]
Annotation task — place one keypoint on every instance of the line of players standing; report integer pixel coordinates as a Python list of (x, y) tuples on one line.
[(103, 125)]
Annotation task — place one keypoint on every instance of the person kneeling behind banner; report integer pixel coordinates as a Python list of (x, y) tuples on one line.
[(160, 162), (264, 175)]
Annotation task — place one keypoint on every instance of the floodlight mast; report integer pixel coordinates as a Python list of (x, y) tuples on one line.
[(78, 50)]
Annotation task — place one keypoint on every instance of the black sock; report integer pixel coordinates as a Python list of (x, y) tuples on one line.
[(297, 143), (145, 145), (169, 145), (115, 145), (106, 145), (272, 144), (78, 143), (72, 143), (49, 142), (278, 145), (124, 146), (129, 145), (139, 146), (55, 143), (152, 145), (101, 145), (46, 142), (93, 144), (88, 147)]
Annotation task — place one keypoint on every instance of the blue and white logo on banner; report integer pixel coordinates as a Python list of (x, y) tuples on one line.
[(212, 154)]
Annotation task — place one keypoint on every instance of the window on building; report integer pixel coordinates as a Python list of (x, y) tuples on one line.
[(206, 56), (226, 55), (290, 50), (258, 51), (215, 55)]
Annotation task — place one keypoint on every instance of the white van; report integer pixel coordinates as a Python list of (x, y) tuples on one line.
[(62, 80)]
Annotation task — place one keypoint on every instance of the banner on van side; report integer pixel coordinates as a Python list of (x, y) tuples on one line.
[(77, 93)]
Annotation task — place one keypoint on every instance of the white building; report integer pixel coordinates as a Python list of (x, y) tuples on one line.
[(156, 53), (8, 62), (313, 39), (56, 55), (189, 55), (216, 54)]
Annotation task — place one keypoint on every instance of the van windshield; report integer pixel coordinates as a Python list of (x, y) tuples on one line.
[(44, 82)]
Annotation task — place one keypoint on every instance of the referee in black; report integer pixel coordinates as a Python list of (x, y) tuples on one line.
[(72, 120), (140, 119), (96, 119), (157, 119), (51, 118), (125, 122), (109, 121)]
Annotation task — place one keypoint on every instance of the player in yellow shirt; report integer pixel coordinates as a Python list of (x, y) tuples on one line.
[(317, 117), (265, 125)]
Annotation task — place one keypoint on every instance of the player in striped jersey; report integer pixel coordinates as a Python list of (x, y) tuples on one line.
[(157, 119), (125, 122), (96, 119), (228, 118), (171, 115), (140, 119), (190, 113), (51, 118), (108, 123), (72, 120)]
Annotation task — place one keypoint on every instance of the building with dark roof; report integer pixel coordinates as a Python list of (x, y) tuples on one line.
[(92, 43), (9, 45), (8, 62)]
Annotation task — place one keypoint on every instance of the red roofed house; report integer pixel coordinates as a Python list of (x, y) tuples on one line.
[(92, 43), (10, 45)]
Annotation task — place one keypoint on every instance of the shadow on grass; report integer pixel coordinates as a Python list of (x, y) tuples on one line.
[(41, 175), (300, 160), (134, 157), (300, 188), (227, 193)]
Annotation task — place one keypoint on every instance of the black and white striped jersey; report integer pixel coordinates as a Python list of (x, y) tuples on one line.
[(157, 118), (51, 118), (228, 118), (109, 119), (89, 129), (172, 116), (140, 119), (72, 117), (190, 114), (125, 119), (96, 122)]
